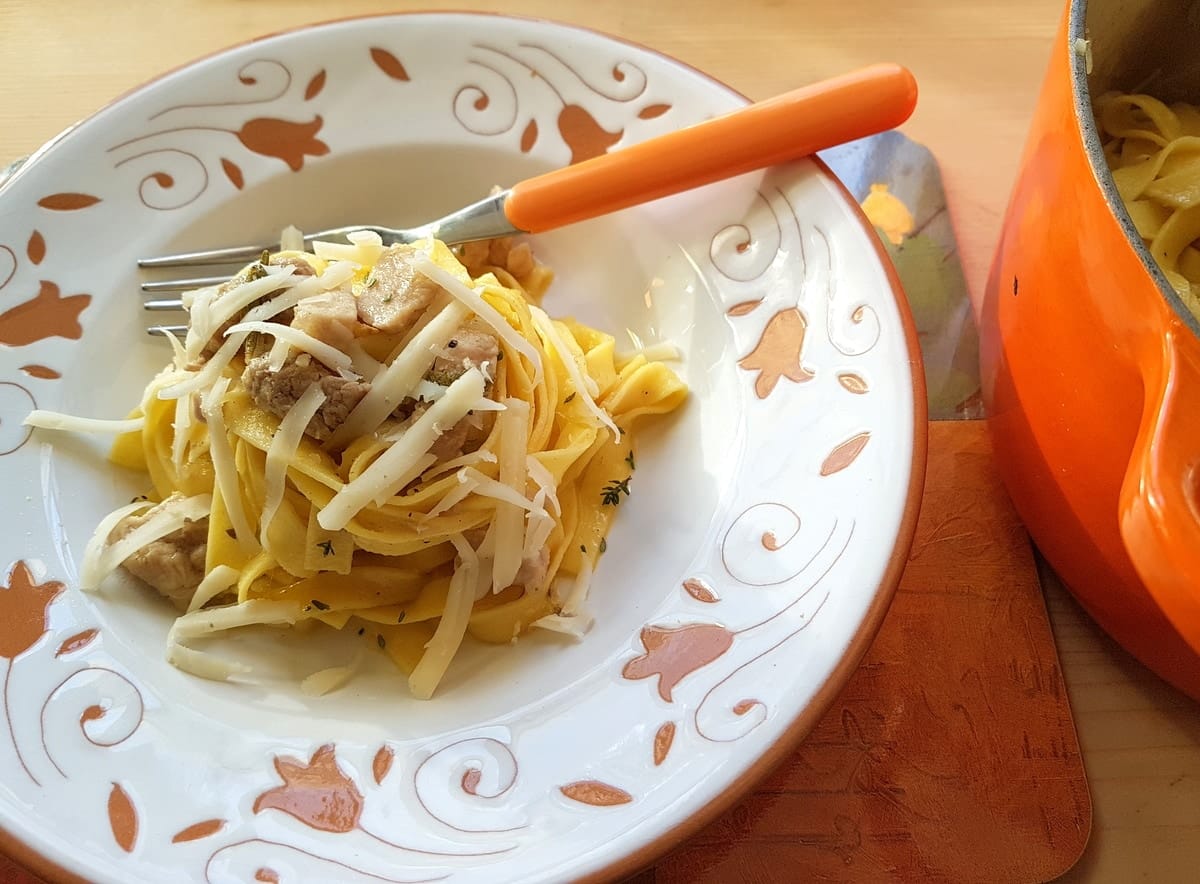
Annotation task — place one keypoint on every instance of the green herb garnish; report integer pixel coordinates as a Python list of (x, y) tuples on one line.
[(611, 494)]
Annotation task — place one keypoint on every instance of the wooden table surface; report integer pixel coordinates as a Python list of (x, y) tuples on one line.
[(979, 65)]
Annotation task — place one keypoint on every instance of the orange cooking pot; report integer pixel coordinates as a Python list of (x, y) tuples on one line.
[(1091, 363)]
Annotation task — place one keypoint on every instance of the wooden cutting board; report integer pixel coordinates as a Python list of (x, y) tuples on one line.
[(951, 755)]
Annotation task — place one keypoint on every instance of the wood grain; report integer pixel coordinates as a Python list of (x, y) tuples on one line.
[(951, 755)]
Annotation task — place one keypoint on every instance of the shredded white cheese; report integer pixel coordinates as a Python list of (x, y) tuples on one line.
[(405, 452), (291, 239), (301, 340), (466, 460), (338, 273), (325, 681), (252, 612), (213, 368), (282, 450), (576, 626), (481, 308), (209, 372), (428, 391), (224, 468), (179, 354), (398, 380), (582, 388), (365, 248), (453, 623), (537, 532), (573, 603), (89, 569), (436, 306), (363, 362), (280, 350), (202, 295), (487, 554), (214, 583), (452, 497), (181, 429), (203, 665), (544, 479), (53, 420), (486, 487), (397, 485), (486, 404), (208, 315), (509, 519)]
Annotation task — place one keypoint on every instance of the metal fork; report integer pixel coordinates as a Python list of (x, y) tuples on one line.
[(790, 126)]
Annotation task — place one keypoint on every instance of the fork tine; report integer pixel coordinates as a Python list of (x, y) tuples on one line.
[(178, 331), (182, 285), (212, 256), (163, 304)]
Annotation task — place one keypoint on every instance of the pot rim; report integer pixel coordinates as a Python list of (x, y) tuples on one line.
[(1076, 31)]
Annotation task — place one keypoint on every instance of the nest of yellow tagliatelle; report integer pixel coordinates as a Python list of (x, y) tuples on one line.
[(1153, 150), (375, 440)]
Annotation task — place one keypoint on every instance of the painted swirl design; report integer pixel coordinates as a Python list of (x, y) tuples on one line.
[(764, 545), (735, 705), (172, 177), (744, 251), (243, 861), (15, 402), (487, 106), (621, 82), (463, 786), (8, 265), (853, 329), (176, 177), (590, 108), (97, 705), (266, 80), (759, 256), (732, 708)]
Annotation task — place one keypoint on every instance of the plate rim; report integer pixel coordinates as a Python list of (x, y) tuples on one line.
[(32, 860)]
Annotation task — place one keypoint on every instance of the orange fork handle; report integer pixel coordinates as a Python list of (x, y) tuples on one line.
[(789, 126)]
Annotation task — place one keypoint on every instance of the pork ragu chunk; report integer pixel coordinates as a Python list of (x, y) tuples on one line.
[(397, 293), (174, 564), (471, 346), (330, 317), (277, 391), (480, 256)]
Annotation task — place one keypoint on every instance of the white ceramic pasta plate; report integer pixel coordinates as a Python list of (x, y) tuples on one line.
[(744, 577)]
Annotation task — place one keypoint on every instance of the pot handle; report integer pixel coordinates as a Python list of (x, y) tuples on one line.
[(1160, 497)]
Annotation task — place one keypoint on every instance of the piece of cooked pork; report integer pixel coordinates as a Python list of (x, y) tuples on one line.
[(173, 564), (277, 391), (397, 293)]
